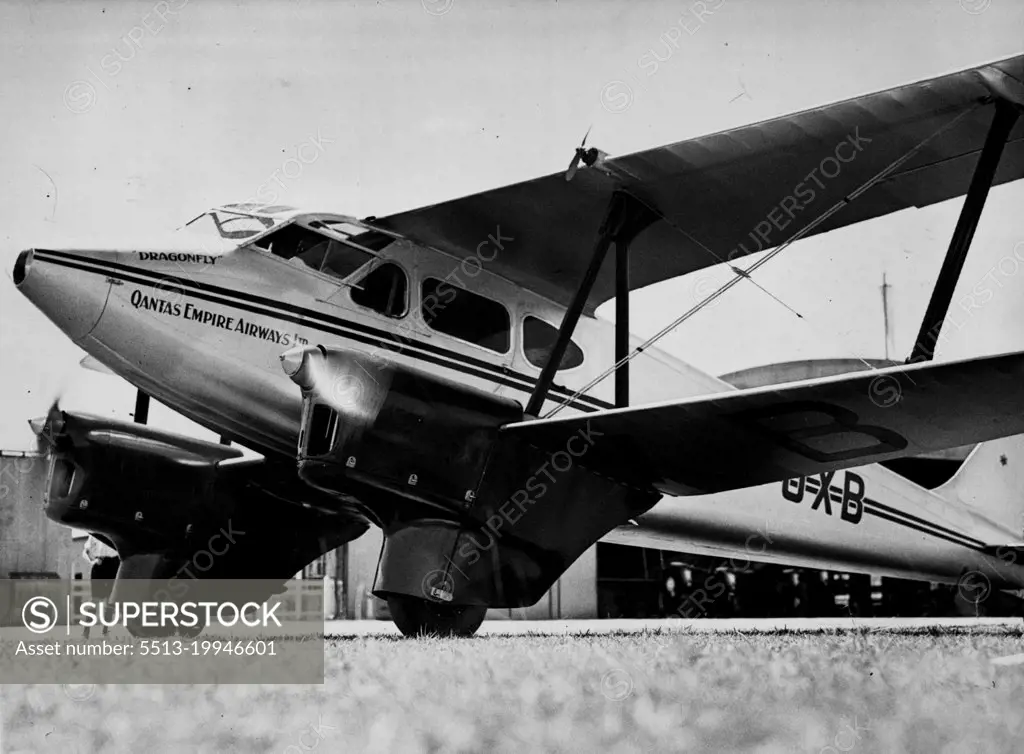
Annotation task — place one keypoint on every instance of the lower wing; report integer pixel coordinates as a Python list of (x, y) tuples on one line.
[(749, 437)]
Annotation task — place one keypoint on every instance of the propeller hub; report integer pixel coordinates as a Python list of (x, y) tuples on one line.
[(587, 156)]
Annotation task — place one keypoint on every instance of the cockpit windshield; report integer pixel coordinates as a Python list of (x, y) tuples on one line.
[(314, 249), (237, 222), (355, 235), (330, 244)]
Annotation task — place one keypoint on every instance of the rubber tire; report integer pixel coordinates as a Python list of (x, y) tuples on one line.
[(419, 617), (136, 629)]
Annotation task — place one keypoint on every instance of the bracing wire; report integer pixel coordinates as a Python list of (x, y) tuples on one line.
[(746, 273)]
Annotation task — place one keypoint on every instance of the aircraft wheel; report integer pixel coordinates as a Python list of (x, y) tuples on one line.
[(419, 617)]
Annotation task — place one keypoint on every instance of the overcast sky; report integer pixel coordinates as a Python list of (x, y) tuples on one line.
[(116, 119)]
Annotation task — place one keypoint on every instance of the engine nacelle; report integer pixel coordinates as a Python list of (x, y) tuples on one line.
[(144, 489), (471, 515), (177, 506)]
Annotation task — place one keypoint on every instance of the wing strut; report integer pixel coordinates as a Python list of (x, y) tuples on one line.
[(141, 407), (625, 218), (622, 322), (984, 173), (141, 414)]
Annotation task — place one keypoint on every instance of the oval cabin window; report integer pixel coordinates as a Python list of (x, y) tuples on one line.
[(539, 338)]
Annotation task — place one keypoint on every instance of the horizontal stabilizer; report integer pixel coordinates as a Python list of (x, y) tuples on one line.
[(750, 437)]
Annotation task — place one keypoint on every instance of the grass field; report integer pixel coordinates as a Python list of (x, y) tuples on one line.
[(846, 691)]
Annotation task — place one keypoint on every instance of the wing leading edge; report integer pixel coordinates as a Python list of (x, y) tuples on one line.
[(738, 191), (750, 437)]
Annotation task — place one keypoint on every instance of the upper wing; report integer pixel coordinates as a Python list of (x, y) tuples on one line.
[(750, 437), (737, 191)]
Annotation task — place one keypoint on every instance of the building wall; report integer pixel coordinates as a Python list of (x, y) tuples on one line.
[(358, 570), (30, 542)]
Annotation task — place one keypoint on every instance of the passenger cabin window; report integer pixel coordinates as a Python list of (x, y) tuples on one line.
[(539, 338), (466, 316), (385, 289), (306, 247)]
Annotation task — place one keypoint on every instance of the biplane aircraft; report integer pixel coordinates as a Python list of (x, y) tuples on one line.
[(440, 373)]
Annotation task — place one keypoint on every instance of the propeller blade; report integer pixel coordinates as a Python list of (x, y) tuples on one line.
[(584, 142), (47, 428), (573, 166)]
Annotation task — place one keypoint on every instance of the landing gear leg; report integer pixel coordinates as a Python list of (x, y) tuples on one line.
[(140, 578), (418, 617)]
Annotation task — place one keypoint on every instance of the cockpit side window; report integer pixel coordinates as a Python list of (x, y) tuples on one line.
[(306, 247), (466, 316), (373, 240), (539, 339), (384, 289)]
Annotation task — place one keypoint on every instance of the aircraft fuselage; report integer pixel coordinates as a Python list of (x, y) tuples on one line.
[(202, 330)]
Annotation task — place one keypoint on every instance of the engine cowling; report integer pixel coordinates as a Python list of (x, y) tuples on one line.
[(177, 506), (140, 487)]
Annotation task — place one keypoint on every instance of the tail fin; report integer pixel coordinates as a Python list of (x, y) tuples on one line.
[(991, 482)]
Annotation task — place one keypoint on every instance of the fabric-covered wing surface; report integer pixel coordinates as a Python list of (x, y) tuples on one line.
[(737, 191), (750, 437)]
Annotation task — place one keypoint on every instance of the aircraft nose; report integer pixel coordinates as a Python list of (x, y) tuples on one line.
[(70, 289), (21, 265)]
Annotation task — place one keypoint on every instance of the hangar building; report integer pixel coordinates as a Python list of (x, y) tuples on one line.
[(32, 546)]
